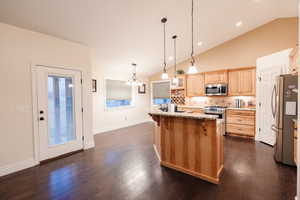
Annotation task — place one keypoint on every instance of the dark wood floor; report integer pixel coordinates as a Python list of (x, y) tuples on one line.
[(124, 166)]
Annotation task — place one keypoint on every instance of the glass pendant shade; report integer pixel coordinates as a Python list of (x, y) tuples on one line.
[(164, 76), (192, 70), (175, 80), (134, 81)]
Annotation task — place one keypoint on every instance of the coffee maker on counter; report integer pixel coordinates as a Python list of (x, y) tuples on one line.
[(170, 107), (238, 103)]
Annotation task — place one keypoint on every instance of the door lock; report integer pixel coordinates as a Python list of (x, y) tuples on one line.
[(41, 118)]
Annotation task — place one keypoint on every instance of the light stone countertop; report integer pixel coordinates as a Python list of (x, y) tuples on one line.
[(228, 108), (184, 106), (184, 115), (254, 109)]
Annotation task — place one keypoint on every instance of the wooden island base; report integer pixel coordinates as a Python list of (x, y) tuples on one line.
[(189, 145)]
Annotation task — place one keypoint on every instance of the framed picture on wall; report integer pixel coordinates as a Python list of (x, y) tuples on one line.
[(94, 85), (142, 89)]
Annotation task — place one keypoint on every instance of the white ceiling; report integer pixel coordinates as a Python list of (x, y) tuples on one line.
[(126, 31)]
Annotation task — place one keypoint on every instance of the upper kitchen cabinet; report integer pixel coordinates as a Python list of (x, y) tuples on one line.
[(216, 77), (180, 85), (242, 82), (195, 85)]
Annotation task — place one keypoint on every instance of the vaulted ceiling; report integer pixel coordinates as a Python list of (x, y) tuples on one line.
[(123, 31)]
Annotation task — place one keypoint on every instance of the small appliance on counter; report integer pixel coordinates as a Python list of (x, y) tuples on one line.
[(238, 103), (284, 110), (171, 107), (163, 107)]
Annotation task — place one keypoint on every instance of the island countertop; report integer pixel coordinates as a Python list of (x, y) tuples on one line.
[(184, 115)]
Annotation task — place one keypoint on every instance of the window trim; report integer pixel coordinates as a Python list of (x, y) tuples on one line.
[(151, 85), (132, 105)]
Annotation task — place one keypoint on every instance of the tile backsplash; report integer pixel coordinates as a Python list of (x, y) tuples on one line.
[(220, 101)]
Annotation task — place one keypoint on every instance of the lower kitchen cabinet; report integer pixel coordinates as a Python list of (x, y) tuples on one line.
[(240, 123)]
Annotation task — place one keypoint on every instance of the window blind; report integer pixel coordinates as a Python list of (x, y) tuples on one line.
[(118, 90), (161, 90)]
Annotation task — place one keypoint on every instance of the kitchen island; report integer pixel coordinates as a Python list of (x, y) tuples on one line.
[(191, 143)]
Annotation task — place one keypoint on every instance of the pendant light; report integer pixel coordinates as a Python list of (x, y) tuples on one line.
[(164, 74), (192, 69), (175, 79), (134, 81)]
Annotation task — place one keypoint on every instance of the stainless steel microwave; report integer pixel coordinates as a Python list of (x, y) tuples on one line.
[(216, 90)]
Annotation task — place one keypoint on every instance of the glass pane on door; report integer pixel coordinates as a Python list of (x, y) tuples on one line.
[(60, 110)]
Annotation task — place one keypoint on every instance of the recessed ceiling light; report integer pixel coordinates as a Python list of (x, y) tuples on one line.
[(171, 58), (239, 23), (199, 43)]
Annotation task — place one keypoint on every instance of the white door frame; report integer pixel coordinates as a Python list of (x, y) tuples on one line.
[(280, 58), (36, 142)]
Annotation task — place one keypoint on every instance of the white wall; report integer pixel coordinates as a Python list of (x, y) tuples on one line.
[(18, 49), (106, 120)]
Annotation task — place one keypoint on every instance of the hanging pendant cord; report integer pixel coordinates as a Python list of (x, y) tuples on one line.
[(165, 64), (134, 72), (175, 67), (192, 54)]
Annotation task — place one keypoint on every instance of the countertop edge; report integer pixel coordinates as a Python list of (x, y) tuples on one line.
[(186, 115), (228, 108)]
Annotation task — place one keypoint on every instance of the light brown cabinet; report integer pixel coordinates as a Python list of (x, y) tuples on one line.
[(242, 82), (195, 85), (240, 123), (216, 77)]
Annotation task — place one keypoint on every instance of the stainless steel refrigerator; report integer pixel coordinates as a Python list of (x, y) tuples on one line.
[(284, 110)]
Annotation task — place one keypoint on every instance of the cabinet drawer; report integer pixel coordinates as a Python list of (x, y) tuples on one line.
[(240, 113), (247, 120), (241, 129)]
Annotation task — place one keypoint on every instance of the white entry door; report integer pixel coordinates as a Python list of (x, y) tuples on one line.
[(268, 68), (59, 111)]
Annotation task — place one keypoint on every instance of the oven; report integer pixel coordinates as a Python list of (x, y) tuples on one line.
[(220, 112)]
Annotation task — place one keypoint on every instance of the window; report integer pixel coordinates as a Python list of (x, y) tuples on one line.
[(161, 92), (118, 94)]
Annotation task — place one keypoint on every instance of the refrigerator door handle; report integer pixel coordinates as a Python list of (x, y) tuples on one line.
[(272, 101), (276, 101)]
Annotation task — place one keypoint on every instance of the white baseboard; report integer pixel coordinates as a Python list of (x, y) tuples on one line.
[(14, 167), (89, 145), (115, 127)]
